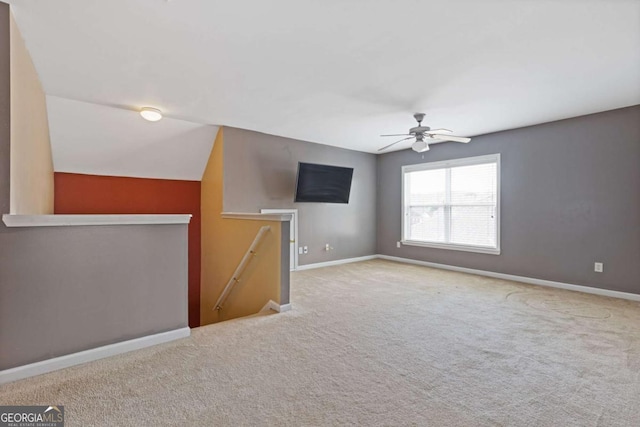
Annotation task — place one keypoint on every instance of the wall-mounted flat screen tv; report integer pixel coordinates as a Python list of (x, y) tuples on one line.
[(323, 183)]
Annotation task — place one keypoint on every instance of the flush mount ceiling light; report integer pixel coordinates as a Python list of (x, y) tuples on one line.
[(151, 114)]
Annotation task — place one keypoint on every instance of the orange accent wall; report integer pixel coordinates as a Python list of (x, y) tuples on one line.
[(261, 280), (93, 194)]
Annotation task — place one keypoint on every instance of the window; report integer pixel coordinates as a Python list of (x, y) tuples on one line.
[(453, 204)]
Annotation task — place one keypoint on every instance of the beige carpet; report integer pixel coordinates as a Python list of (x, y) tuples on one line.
[(376, 343)]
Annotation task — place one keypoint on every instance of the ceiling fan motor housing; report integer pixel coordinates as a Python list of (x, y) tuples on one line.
[(419, 130)]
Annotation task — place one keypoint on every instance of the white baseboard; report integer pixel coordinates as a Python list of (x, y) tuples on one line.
[(336, 262), (529, 280), (272, 305), (85, 356), (285, 307)]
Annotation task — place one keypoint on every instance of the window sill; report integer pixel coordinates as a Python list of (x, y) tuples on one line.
[(451, 247)]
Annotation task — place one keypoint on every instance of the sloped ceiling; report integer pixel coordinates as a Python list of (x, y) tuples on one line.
[(101, 140), (340, 72)]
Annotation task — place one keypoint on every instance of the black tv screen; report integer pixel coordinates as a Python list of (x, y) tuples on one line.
[(323, 183)]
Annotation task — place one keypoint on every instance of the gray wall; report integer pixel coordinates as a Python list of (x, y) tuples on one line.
[(67, 289), (570, 196), (260, 173), (285, 277)]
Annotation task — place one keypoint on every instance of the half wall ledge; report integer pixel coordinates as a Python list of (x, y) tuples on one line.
[(77, 220)]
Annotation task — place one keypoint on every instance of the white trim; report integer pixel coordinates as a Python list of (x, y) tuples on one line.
[(336, 262), (256, 216), (528, 280), (468, 161), (465, 161), (285, 307), (11, 220), (272, 305), (90, 355), (453, 247), (294, 219)]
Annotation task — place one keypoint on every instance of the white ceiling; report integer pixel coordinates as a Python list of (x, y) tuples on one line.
[(99, 140), (340, 72)]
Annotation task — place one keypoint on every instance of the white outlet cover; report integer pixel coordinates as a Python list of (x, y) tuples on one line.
[(598, 267)]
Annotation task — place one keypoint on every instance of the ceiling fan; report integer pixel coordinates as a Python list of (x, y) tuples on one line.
[(422, 134)]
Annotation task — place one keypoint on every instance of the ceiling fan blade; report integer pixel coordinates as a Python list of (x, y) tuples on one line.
[(450, 138), (439, 131), (394, 143), (398, 134)]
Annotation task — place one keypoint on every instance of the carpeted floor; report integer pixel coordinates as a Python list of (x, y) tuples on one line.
[(376, 343)]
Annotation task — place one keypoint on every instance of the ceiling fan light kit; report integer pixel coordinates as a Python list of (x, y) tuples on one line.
[(420, 146), (420, 133)]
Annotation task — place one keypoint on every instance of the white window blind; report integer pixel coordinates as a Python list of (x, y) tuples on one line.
[(453, 204)]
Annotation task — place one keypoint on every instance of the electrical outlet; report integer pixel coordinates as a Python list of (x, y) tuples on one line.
[(598, 267), (397, 244), (300, 250), (305, 249)]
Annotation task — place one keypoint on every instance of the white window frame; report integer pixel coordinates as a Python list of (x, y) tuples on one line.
[(468, 161)]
